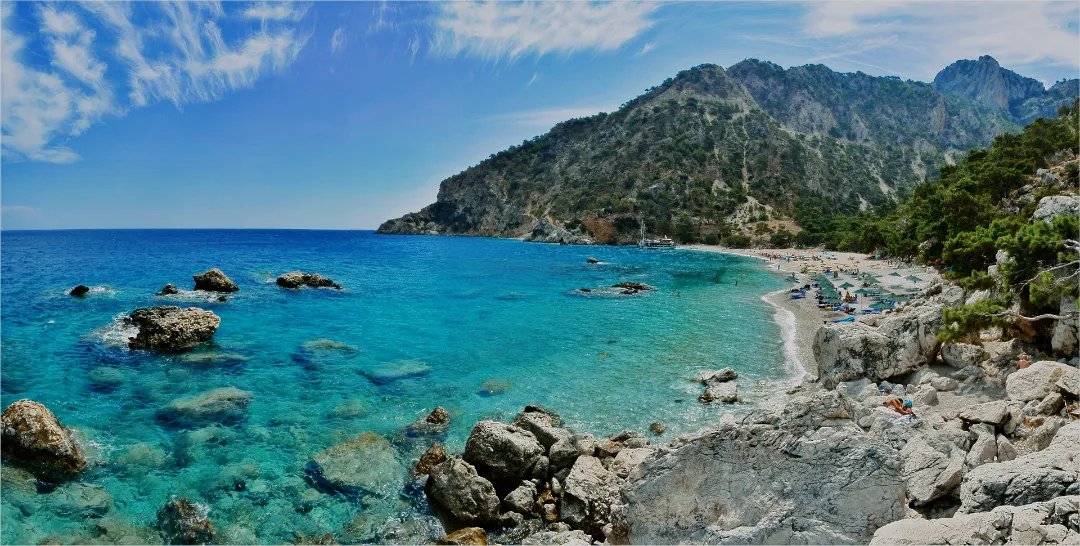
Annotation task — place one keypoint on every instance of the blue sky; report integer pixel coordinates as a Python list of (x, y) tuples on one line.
[(340, 115)]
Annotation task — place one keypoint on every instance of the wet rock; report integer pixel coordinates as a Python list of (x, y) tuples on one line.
[(104, 376), (727, 393), (168, 290), (1050, 522), (1038, 380), (170, 328), (31, 436), (588, 494), (298, 279), (435, 423), (558, 538), (390, 372), (214, 281), (351, 409), (143, 455), (592, 260), (80, 290), (184, 522), (226, 405), (468, 535), (503, 452), (717, 376), (657, 428), (80, 500), (993, 413), (454, 486), (492, 387), (635, 286), (1037, 477), (362, 465), (520, 500), (212, 358), (435, 455)]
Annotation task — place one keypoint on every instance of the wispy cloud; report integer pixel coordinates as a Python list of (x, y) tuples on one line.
[(173, 52), (18, 209), (337, 41), (533, 79), (545, 118), (930, 35), (645, 49), (505, 30), (414, 47)]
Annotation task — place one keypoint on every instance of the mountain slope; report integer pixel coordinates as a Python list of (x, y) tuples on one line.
[(712, 151)]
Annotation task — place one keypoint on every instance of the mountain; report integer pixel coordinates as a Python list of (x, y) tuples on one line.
[(986, 83), (713, 154)]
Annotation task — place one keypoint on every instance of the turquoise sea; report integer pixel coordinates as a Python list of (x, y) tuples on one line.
[(423, 321)]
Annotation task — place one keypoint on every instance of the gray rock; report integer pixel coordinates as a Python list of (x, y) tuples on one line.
[(32, 437), (727, 393), (628, 459), (717, 376), (1050, 522), (80, 500), (994, 413), (588, 494), (1052, 206), (1051, 405), (454, 486), (1044, 434), (214, 281), (944, 384), (1038, 380), (521, 499), (298, 279), (544, 231), (543, 424), (365, 465), (558, 538), (926, 395), (761, 483), (961, 355), (1063, 340), (224, 405), (985, 448), (170, 328), (1037, 477), (1005, 450), (503, 452), (626, 439), (184, 522), (930, 472)]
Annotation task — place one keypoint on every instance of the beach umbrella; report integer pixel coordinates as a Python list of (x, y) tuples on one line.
[(845, 286), (912, 278), (881, 305), (894, 274), (864, 291)]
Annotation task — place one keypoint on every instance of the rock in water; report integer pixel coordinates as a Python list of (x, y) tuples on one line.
[(1051, 522), (362, 465), (657, 428), (435, 455), (592, 260), (454, 486), (434, 424), (80, 290), (474, 536), (170, 328), (214, 281), (297, 279), (168, 290), (35, 439), (631, 285), (717, 376), (779, 479), (184, 522), (226, 405), (503, 452)]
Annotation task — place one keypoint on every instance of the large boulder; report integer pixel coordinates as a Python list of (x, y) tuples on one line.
[(170, 328), (787, 480), (900, 344), (80, 291), (184, 522), (503, 452), (992, 413), (931, 469), (214, 281), (1036, 477), (1063, 339), (544, 424), (1050, 522), (588, 494), (298, 279), (364, 465), (455, 487), (1038, 380), (1056, 205), (226, 405), (31, 436), (962, 355)]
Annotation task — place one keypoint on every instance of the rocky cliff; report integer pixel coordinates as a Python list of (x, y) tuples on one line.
[(712, 150)]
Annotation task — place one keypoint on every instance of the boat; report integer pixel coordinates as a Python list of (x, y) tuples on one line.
[(663, 242)]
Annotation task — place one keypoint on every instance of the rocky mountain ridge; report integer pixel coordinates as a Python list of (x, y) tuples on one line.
[(712, 152)]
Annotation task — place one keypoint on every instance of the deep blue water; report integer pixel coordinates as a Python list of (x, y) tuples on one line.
[(458, 311)]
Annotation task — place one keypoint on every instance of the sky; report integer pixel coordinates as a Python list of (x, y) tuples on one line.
[(340, 115)]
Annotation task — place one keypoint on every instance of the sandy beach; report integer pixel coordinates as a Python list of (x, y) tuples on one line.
[(800, 319)]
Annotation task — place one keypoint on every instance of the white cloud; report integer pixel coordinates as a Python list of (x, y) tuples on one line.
[(645, 49), (927, 36), (18, 209), (337, 41), (507, 30), (172, 51), (414, 46), (533, 79)]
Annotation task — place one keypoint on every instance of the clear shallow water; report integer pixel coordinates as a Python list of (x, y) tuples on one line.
[(455, 312)]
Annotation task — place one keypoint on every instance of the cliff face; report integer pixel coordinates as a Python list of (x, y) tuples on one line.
[(712, 147), (987, 84)]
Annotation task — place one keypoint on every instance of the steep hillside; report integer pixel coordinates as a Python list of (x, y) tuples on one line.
[(995, 88), (714, 154)]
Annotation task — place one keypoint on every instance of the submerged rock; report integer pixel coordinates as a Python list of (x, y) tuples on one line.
[(184, 522), (492, 387), (389, 372), (362, 465), (214, 281), (31, 436), (435, 423), (636, 286), (80, 290), (170, 328), (225, 405), (298, 279), (454, 486), (168, 290)]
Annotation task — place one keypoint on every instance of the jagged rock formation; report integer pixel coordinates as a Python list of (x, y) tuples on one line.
[(213, 280), (298, 279), (31, 436), (708, 144), (1051, 522), (170, 328)]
